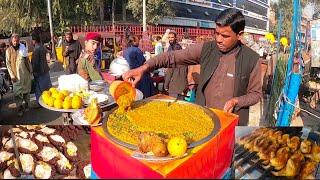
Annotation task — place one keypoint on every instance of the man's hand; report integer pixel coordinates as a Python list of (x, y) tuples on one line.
[(66, 51), (135, 75), (229, 106)]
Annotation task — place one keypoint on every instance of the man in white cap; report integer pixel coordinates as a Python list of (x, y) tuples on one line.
[(20, 71)]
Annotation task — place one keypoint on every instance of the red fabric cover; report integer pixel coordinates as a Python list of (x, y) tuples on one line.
[(210, 160)]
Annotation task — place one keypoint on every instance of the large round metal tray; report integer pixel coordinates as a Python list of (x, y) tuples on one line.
[(213, 116)]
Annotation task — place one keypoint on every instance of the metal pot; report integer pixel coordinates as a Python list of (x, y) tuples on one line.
[(98, 85)]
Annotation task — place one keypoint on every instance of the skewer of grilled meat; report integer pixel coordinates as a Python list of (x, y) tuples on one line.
[(305, 146), (315, 153), (275, 136), (265, 153), (308, 170), (279, 159), (256, 133), (261, 143), (293, 143), (259, 131), (283, 140), (250, 146), (269, 133), (246, 139), (293, 165)]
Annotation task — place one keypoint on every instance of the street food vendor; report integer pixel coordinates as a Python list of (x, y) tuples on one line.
[(86, 62), (230, 75)]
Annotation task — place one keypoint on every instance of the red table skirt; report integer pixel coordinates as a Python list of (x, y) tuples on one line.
[(211, 160)]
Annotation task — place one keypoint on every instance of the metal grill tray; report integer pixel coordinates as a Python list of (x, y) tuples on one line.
[(243, 157)]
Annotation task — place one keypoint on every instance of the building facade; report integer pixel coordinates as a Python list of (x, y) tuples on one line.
[(199, 14), (202, 13)]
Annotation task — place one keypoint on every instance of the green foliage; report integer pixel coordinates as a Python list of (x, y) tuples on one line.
[(19, 15), (287, 10), (156, 9), (70, 12), (22, 15)]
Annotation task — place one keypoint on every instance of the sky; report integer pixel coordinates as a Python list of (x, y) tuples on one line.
[(308, 10)]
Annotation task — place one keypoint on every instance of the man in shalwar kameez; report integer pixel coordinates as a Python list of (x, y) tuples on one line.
[(20, 71)]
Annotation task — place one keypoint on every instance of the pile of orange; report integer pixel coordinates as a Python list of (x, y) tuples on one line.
[(61, 99)]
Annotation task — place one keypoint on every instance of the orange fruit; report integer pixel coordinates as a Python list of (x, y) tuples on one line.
[(65, 92), (177, 146), (60, 96), (67, 104), (55, 94), (45, 97), (76, 102), (68, 98), (76, 97), (46, 92), (58, 103), (53, 89), (50, 101)]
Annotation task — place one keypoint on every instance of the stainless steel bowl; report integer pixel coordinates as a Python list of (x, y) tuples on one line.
[(99, 82), (214, 118), (98, 85), (96, 88)]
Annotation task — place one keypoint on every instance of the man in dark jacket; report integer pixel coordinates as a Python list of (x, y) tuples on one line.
[(71, 53), (40, 67), (175, 78), (3, 54), (230, 75)]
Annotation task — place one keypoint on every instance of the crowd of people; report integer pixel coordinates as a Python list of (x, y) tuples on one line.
[(229, 70), (230, 78), (25, 74)]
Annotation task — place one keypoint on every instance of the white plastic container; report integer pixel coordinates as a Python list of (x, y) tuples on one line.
[(73, 83), (119, 66)]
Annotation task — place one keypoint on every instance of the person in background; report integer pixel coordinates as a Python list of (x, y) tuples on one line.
[(20, 71), (165, 40), (158, 47), (86, 62), (71, 52), (159, 50), (145, 43), (3, 48), (5, 87), (2, 54), (98, 56), (230, 74), (135, 59), (40, 67), (175, 80)]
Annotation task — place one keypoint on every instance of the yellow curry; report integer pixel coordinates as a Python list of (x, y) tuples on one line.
[(166, 120)]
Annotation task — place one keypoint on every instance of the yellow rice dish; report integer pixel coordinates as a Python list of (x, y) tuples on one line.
[(163, 118)]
